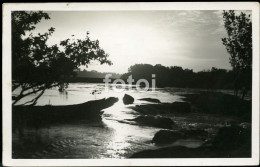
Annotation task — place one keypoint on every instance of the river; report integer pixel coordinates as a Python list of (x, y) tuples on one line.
[(111, 138)]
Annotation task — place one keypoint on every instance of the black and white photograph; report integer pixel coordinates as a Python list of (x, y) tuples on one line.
[(153, 81)]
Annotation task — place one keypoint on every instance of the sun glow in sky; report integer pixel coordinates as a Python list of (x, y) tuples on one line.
[(191, 39)]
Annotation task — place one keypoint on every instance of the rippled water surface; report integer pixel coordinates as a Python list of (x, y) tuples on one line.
[(112, 138)]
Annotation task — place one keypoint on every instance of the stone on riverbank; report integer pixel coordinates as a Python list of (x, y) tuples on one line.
[(163, 108), (127, 99), (182, 107), (154, 121), (150, 100), (167, 136)]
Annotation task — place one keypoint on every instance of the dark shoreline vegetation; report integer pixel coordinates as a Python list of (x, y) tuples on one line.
[(229, 141), (173, 76), (233, 139), (176, 76)]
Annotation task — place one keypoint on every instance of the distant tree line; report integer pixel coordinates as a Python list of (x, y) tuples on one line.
[(175, 76), (96, 74)]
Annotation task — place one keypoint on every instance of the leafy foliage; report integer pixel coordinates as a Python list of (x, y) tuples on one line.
[(239, 46), (176, 76), (239, 40), (37, 66)]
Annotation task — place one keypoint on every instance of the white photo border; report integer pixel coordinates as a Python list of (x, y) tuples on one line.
[(7, 94)]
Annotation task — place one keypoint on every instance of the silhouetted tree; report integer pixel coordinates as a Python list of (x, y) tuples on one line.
[(37, 66), (239, 46)]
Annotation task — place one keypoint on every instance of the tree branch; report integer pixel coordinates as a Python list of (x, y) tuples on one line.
[(38, 89), (34, 100)]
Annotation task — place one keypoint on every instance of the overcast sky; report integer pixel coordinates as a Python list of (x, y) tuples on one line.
[(191, 39)]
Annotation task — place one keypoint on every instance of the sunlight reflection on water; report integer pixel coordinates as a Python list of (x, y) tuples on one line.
[(78, 93), (121, 139)]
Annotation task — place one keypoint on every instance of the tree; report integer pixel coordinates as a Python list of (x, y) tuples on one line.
[(239, 46), (37, 66)]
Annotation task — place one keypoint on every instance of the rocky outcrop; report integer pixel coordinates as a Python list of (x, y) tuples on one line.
[(163, 108), (229, 142), (154, 121), (150, 100), (168, 136), (127, 99), (220, 103), (183, 107)]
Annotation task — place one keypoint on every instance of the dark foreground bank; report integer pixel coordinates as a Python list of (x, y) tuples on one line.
[(230, 138), (37, 116), (203, 125), (229, 142)]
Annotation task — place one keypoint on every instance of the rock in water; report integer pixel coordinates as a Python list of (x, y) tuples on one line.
[(154, 121), (151, 100), (163, 108), (183, 107), (168, 136), (127, 99)]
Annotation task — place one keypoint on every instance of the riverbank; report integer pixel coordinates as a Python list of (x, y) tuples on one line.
[(222, 121), (229, 142), (157, 124), (37, 116)]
